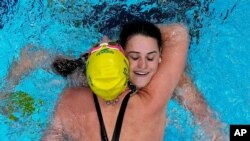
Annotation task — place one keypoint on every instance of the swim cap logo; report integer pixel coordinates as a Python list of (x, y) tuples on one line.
[(126, 63), (105, 50), (90, 81), (125, 71)]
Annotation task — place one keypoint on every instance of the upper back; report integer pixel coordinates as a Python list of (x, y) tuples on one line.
[(80, 121)]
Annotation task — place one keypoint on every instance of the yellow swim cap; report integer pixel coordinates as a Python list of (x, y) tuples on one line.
[(107, 71)]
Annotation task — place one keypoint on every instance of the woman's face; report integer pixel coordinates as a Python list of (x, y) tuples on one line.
[(144, 57)]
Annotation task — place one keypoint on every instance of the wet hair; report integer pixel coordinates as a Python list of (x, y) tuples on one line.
[(139, 27), (65, 67)]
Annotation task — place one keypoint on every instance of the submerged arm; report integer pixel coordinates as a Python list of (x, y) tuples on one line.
[(29, 60), (188, 95)]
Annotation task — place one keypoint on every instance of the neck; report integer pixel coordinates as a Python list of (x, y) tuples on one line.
[(116, 100), (112, 102)]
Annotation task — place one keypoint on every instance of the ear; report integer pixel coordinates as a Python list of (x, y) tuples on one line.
[(160, 60)]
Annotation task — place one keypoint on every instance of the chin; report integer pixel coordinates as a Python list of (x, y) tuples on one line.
[(139, 83), (139, 86)]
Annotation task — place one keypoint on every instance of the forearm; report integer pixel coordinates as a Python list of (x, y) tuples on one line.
[(17, 70), (29, 59), (190, 97)]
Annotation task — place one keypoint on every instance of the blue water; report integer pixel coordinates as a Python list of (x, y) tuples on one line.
[(218, 59)]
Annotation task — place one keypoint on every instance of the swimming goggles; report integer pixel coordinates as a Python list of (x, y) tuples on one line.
[(110, 45)]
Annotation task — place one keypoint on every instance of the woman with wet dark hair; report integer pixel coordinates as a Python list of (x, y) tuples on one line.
[(143, 63)]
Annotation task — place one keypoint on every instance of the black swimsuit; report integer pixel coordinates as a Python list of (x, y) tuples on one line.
[(119, 120)]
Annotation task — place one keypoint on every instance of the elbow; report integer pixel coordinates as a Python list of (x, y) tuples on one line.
[(175, 32), (52, 134)]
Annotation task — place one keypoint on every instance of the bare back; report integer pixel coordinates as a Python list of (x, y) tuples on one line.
[(76, 119)]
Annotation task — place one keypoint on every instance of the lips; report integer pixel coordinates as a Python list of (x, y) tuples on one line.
[(141, 73)]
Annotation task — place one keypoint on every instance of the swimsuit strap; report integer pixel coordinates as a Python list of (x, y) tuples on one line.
[(104, 135), (118, 125), (119, 121)]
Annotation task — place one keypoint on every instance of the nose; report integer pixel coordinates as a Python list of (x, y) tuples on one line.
[(142, 63)]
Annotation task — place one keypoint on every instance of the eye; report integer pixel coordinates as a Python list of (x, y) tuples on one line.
[(133, 56), (150, 58)]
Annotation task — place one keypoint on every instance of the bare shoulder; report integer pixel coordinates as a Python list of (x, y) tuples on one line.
[(69, 107), (75, 91)]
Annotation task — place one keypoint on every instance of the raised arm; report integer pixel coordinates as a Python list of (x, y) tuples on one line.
[(175, 45)]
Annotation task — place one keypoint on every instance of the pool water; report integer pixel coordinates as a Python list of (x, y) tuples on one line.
[(218, 59)]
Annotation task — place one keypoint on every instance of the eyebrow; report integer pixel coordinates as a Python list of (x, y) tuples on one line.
[(152, 52)]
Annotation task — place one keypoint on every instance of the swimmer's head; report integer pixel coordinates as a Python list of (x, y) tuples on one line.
[(107, 70), (139, 27)]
